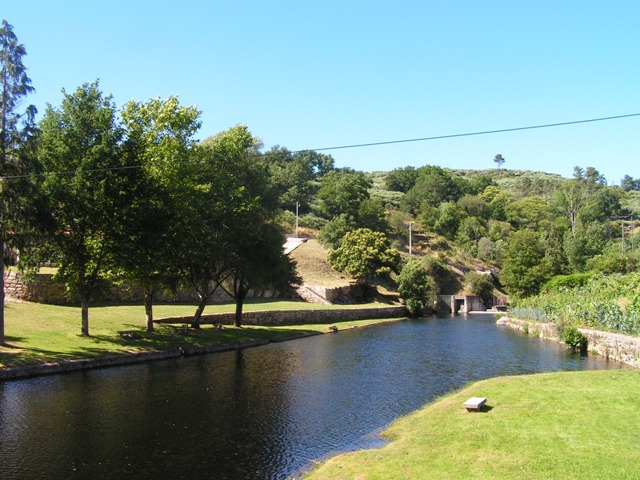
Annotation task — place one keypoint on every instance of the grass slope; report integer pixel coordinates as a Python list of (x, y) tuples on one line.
[(545, 426)]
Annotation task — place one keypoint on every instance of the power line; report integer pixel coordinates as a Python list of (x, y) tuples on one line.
[(361, 145), (487, 132)]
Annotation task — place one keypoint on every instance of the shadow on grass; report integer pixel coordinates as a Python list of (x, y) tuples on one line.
[(163, 338)]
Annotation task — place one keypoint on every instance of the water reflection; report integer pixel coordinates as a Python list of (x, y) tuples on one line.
[(261, 413)]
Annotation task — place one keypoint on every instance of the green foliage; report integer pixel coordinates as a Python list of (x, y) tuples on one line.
[(343, 192), (365, 255), (572, 337), (334, 230), (433, 186), (401, 179), (523, 271), (608, 302), (84, 207), (417, 288), (574, 280), (482, 285)]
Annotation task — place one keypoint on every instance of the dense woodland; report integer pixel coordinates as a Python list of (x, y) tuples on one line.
[(132, 194)]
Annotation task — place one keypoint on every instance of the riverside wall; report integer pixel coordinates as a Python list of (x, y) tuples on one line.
[(296, 317), (613, 346)]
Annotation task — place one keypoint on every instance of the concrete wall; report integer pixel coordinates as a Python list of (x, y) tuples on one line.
[(459, 304), (613, 346)]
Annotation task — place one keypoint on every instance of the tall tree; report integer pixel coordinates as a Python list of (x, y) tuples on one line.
[(84, 184), (227, 180), (499, 159), (160, 139), (257, 262), (15, 125)]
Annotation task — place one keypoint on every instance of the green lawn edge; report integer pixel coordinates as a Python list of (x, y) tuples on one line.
[(541, 426)]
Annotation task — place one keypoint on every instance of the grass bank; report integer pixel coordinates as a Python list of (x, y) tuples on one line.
[(554, 425), (38, 333)]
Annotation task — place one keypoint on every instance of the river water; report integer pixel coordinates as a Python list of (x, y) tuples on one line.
[(258, 413)]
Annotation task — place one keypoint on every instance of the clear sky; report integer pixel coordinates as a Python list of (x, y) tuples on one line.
[(310, 74)]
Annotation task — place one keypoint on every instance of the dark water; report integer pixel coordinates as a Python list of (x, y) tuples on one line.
[(260, 413)]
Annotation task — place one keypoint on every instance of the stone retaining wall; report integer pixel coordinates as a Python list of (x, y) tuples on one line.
[(296, 317), (613, 346)]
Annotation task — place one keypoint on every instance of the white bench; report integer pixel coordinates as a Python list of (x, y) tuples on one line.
[(474, 404)]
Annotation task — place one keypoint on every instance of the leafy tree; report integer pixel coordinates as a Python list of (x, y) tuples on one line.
[(433, 186), (470, 231), (499, 160), (475, 206), (450, 215), (80, 153), (16, 127), (224, 199), (365, 255), (333, 232), (628, 183), (258, 262), (342, 192), (480, 284), (159, 139), (588, 240), (499, 230), (529, 212), (498, 200), (371, 215), (291, 175), (570, 198), (479, 184), (401, 179), (523, 271), (417, 288)]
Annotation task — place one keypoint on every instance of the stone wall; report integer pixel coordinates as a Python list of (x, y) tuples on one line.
[(613, 346), (292, 317), (42, 289)]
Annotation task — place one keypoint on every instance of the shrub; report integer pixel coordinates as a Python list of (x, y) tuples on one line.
[(416, 287), (572, 337), (482, 285)]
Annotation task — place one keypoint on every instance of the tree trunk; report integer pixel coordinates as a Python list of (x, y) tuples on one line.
[(148, 309), (199, 310), (239, 303), (84, 302), (2, 297)]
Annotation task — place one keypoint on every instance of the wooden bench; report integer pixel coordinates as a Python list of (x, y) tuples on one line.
[(475, 404)]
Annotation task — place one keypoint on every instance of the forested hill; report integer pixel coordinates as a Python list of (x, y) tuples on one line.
[(524, 226)]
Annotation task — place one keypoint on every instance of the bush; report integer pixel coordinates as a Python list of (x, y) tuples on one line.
[(572, 337), (482, 285), (417, 288), (567, 281)]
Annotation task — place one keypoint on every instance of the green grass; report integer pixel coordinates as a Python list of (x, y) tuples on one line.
[(39, 333), (576, 425)]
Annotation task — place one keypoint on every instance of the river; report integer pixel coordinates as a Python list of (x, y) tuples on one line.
[(259, 413)]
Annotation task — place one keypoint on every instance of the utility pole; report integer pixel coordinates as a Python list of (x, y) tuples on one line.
[(410, 235)]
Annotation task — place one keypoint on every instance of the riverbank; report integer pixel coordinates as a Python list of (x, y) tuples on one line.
[(612, 346), (43, 339), (535, 426)]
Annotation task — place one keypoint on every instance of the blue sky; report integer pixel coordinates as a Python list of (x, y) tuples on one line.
[(315, 74)]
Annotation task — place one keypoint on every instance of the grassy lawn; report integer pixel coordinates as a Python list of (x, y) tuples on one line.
[(546, 426), (39, 333)]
